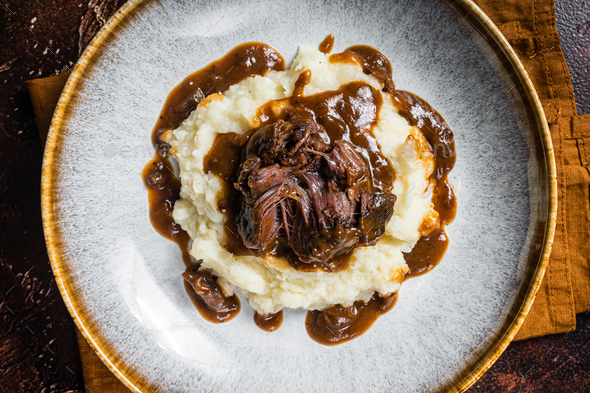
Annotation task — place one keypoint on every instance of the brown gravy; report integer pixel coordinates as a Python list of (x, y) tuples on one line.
[(339, 324), (269, 322), (208, 298), (163, 186), (353, 101), (327, 44), (425, 255), (440, 137), (336, 324), (163, 191)]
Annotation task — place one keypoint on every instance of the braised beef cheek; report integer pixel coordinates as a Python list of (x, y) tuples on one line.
[(299, 189)]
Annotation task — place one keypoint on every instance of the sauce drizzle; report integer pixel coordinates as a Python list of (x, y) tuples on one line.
[(338, 112), (269, 322), (427, 253), (163, 186), (336, 324), (440, 137), (327, 44), (208, 298)]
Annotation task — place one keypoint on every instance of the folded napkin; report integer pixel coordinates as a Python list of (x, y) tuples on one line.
[(530, 28)]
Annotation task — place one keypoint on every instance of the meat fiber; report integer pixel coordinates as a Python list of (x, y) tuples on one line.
[(311, 194)]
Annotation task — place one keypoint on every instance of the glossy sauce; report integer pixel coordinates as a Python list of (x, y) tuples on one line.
[(336, 324), (373, 62), (429, 250), (427, 253), (163, 186), (339, 324), (327, 44), (440, 137), (163, 191), (348, 113), (208, 298), (269, 322)]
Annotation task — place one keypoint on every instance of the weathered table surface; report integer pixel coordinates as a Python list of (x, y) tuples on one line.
[(38, 350)]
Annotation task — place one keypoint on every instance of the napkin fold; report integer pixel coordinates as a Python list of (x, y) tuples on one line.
[(530, 28)]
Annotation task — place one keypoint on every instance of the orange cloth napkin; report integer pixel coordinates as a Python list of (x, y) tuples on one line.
[(530, 28)]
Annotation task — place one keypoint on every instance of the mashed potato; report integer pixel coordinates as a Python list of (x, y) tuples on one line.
[(269, 283)]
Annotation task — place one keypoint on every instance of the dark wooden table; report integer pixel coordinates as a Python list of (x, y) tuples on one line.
[(37, 342)]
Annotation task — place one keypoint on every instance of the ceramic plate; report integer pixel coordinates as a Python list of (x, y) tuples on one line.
[(121, 280)]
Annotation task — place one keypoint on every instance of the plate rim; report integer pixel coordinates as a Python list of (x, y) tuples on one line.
[(134, 380)]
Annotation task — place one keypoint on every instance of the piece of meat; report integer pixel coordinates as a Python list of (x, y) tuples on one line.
[(267, 177), (345, 167), (286, 142), (258, 222), (330, 207), (205, 286), (313, 196), (346, 164), (329, 243), (376, 211), (323, 226)]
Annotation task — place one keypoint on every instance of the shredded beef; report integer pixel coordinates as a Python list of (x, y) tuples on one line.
[(314, 196)]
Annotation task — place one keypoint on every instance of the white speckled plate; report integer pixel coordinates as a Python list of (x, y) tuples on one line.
[(121, 280)]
